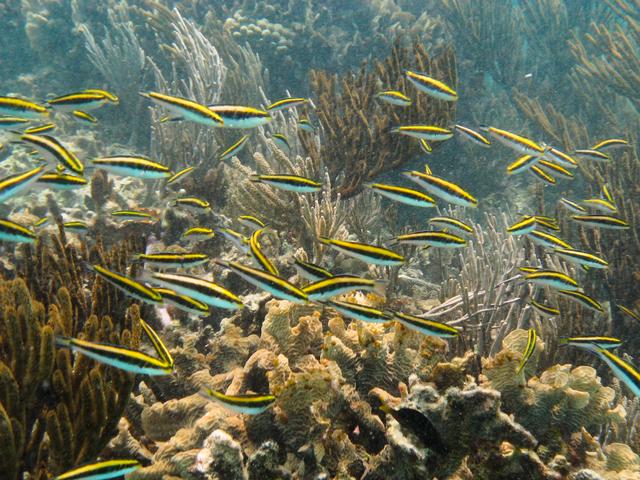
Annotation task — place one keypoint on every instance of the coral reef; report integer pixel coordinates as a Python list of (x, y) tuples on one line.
[(330, 375)]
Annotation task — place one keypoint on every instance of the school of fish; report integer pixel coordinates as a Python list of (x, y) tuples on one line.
[(166, 280)]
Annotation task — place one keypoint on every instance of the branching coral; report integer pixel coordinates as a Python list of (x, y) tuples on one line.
[(610, 57), (57, 412), (356, 145), (320, 214)]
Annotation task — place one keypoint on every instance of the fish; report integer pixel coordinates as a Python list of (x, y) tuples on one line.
[(547, 240), (522, 163), (41, 222), (106, 94), (237, 239), (362, 251), (37, 129), (181, 175), (281, 142), (14, 184), (192, 203), (337, 285), (553, 279), (610, 144), (287, 103), (593, 343), (453, 224), (235, 148), (572, 206), (102, 470), (528, 350), (255, 249), (14, 232), (289, 183), (276, 286), (425, 326), (306, 126), (61, 181), (622, 369), (131, 287), (556, 156), (186, 109), (473, 136), (183, 302), (431, 133), (522, 227), (198, 234), (132, 361), (430, 238), (394, 97), (311, 271), (53, 151), (407, 196), (420, 426), (589, 154), (132, 166), (516, 142), (601, 221), (629, 312), (425, 147), (542, 175), (85, 101), (12, 122), (553, 168), (442, 188), (23, 108), (432, 87), (84, 117), (600, 204), (76, 226), (581, 258), (247, 404), (251, 221), (199, 289), (172, 260), (238, 116), (582, 298), (606, 194), (158, 344), (359, 312), (132, 215), (544, 309)]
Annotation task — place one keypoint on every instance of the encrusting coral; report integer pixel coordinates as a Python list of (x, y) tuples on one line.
[(57, 412), (329, 376)]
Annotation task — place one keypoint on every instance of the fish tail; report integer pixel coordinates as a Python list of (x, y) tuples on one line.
[(254, 178), (64, 342)]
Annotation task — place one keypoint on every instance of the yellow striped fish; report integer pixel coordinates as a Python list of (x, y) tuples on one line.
[(431, 86), (528, 351), (186, 109), (14, 232), (22, 108), (256, 252), (103, 470), (53, 151), (14, 184), (132, 166), (247, 404), (366, 253)]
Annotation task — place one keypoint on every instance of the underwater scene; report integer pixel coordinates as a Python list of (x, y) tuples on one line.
[(320, 239)]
